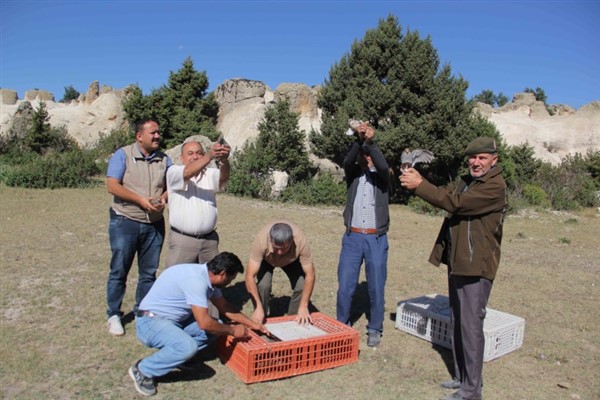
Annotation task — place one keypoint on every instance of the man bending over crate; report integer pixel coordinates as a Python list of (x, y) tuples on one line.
[(174, 318), (469, 244), (281, 244)]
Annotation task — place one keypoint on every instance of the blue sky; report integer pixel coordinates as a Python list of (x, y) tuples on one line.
[(504, 46)]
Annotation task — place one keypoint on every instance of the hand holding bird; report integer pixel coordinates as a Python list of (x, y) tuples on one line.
[(409, 158)]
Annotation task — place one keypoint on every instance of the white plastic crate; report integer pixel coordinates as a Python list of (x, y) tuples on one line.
[(428, 317)]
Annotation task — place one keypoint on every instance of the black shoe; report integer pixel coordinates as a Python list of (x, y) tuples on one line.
[(374, 339), (451, 384), (143, 384)]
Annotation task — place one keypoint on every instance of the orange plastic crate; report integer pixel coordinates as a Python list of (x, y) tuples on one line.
[(255, 359)]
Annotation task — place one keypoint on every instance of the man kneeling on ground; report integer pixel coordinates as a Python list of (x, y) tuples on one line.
[(174, 318)]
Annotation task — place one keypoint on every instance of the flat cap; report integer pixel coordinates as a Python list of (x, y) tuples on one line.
[(482, 144)]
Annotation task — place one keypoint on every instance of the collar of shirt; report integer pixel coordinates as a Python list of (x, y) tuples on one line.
[(142, 156)]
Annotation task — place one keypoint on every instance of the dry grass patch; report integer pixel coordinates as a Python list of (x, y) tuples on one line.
[(54, 344)]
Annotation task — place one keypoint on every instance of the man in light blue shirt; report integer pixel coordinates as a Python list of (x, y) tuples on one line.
[(174, 317)]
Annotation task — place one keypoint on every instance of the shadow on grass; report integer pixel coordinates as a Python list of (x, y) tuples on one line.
[(279, 306), (238, 297), (445, 354), (201, 372)]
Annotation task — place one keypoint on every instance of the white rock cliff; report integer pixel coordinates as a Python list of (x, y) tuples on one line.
[(242, 104)]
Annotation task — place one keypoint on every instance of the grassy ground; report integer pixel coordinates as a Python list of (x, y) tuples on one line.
[(54, 343)]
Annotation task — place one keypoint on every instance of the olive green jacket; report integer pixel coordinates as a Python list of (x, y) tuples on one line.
[(470, 237)]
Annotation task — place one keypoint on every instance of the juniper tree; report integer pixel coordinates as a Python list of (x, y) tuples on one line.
[(278, 146), (395, 81), (181, 108), (70, 94)]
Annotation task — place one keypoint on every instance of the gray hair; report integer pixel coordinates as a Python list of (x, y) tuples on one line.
[(191, 141), (281, 233)]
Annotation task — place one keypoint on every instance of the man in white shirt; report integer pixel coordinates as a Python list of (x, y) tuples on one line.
[(192, 191)]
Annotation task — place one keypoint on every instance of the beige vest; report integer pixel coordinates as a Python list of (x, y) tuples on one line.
[(143, 177)]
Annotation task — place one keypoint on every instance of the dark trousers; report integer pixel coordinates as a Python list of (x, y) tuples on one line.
[(295, 274), (468, 299)]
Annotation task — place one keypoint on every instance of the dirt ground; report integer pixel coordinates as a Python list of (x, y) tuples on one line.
[(54, 259)]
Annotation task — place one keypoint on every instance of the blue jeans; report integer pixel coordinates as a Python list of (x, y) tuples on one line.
[(357, 247), (128, 237), (177, 343)]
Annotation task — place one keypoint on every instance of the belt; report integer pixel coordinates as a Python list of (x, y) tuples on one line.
[(203, 236), (144, 313), (364, 231)]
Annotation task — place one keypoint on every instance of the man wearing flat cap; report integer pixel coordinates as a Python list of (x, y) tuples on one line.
[(469, 244)]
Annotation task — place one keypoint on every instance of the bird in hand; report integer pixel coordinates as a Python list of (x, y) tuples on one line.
[(353, 125), (409, 158)]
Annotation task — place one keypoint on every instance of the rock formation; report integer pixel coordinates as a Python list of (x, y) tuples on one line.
[(97, 112), (242, 104), (552, 137)]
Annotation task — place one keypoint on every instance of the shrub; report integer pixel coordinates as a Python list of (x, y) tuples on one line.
[(108, 144), (323, 189), (250, 184), (570, 185), (420, 206), (536, 196), (592, 165), (117, 138), (516, 201), (72, 169)]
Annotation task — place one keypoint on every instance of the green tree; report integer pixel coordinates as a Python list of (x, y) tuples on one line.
[(526, 165), (592, 162), (539, 94), (395, 81), (70, 94), (283, 142), (42, 137), (501, 99), (279, 146), (36, 138), (182, 108), (486, 96)]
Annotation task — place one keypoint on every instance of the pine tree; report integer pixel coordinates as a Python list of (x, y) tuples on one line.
[(395, 81), (279, 146), (182, 108), (282, 142), (37, 138), (486, 96), (70, 94)]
